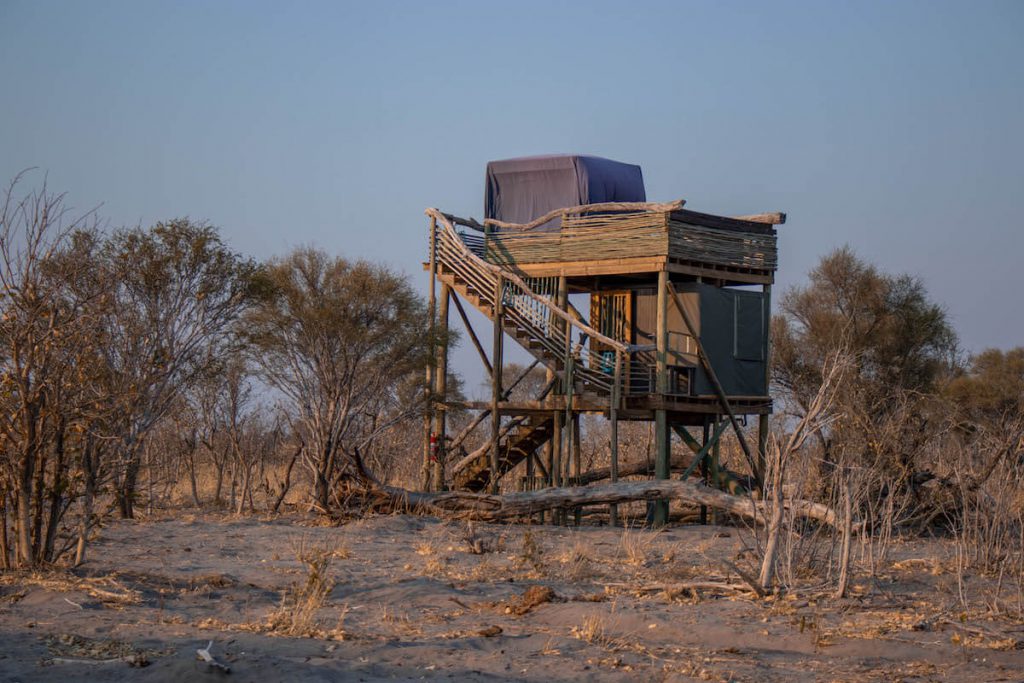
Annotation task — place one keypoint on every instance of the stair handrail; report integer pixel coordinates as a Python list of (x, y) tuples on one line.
[(497, 271)]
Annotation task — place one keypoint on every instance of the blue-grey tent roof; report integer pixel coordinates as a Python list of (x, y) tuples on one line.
[(520, 190)]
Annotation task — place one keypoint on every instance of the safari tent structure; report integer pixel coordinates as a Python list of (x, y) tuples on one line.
[(676, 332)]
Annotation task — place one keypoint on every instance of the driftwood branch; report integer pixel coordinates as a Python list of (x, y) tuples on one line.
[(588, 208), (772, 218)]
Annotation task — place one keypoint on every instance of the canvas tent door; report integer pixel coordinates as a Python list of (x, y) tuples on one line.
[(732, 325)]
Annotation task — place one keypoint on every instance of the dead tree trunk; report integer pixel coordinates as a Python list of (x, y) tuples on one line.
[(287, 483), (844, 558)]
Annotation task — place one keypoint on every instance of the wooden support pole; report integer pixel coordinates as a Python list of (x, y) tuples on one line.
[(714, 465), (704, 472), (577, 462), (427, 426), (763, 422), (556, 449), (559, 454), (472, 335), (662, 438), (530, 457), (429, 440), (613, 416), (440, 391), (496, 355)]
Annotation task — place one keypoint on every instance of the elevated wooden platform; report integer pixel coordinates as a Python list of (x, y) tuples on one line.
[(630, 258), (729, 250)]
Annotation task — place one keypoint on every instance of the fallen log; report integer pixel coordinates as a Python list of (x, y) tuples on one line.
[(494, 508), (731, 481)]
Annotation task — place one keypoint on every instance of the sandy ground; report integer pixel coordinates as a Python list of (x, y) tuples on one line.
[(417, 598)]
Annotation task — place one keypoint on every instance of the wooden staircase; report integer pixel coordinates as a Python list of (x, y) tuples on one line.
[(537, 324), (518, 445)]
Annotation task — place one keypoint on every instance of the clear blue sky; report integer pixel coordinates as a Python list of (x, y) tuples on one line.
[(895, 127)]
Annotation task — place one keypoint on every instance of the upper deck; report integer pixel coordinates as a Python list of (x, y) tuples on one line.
[(598, 242)]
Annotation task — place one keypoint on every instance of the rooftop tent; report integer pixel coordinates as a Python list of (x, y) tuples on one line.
[(520, 190)]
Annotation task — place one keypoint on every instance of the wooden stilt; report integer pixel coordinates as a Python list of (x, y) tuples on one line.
[(714, 466), (496, 356), (704, 472), (662, 438), (763, 423), (440, 392), (428, 388), (561, 428), (613, 416), (577, 462), (427, 424)]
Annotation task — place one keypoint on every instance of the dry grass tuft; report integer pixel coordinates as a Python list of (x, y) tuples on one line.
[(636, 547), (576, 561), (593, 630), (297, 613)]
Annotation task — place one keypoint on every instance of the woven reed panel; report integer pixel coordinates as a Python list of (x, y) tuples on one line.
[(729, 248), (634, 235)]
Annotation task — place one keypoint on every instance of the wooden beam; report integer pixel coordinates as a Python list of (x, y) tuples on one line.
[(499, 295), (726, 276), (429, 440), (472, 335), (662, 437), (613, 416), (763, 423), (440, 390), (771, 218)]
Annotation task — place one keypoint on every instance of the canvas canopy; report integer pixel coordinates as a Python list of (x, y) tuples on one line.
[(520, 190)]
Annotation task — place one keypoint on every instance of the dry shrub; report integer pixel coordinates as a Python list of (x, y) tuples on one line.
[(300, 603), (593, 629), (531, 552), (476, 543), (636, 546), (576, 561)]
